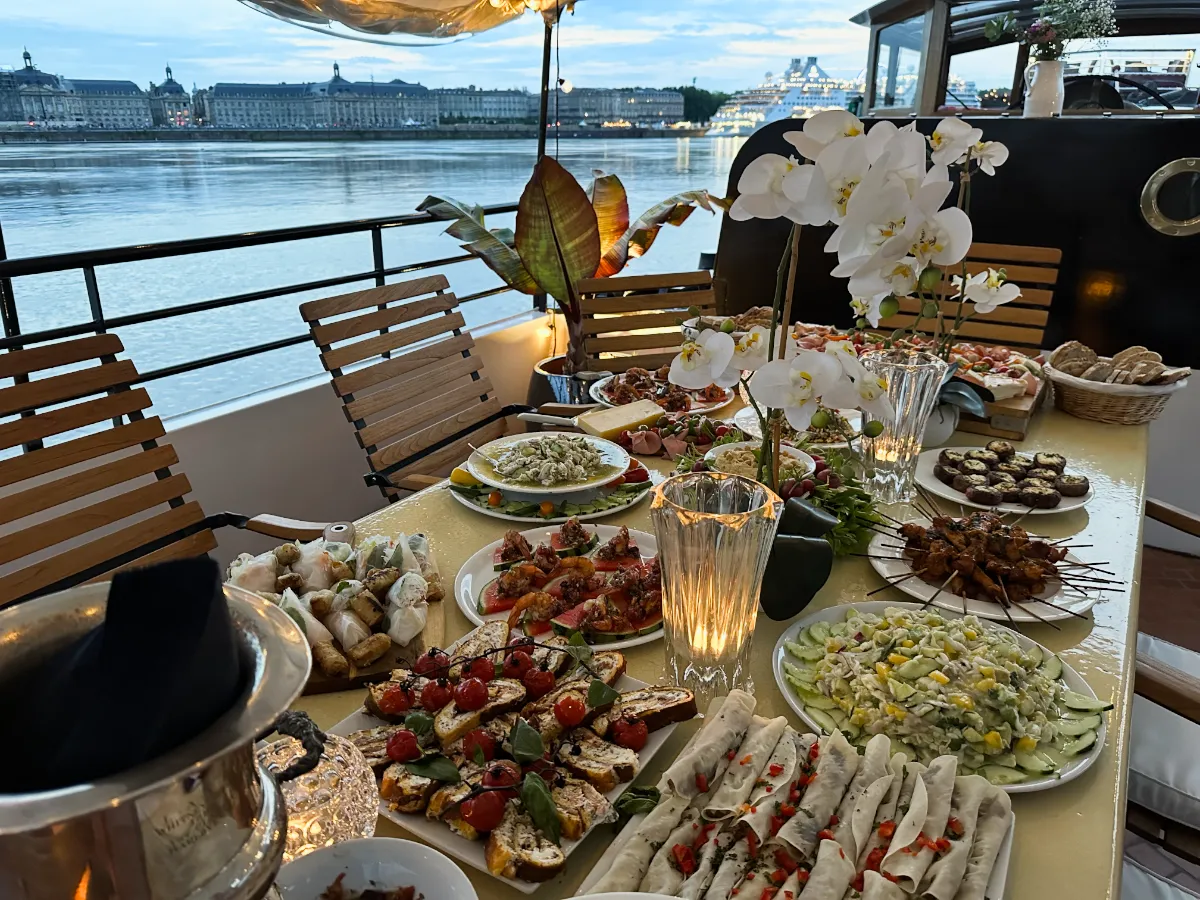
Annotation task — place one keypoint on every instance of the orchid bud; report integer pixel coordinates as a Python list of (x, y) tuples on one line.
[(873, 429), (929, 310), (889, 307), (727, 326), (930, 278), (862, 323), (820, 419)]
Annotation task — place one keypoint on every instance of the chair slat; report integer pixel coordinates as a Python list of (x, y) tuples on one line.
[(46, 496), (79, 559), (623, 362), (68, 418), (644, 282), (69, 453), (427, 437), (344, 329), (51, 356), (1020, 274), (197, 544), (89, 518), (660, 341), (982, 331), (632, 323), (420, 413), (680, 300), (353, 382), (68, 386), (393, 340), (1008, 314), (1013, 253), (439, 372), (1029, 296), (448, 457), (316, 310)]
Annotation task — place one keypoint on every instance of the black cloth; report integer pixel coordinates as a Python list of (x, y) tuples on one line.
[(160, 669)]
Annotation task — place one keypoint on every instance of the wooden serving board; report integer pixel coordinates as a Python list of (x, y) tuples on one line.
[(1007, 419)]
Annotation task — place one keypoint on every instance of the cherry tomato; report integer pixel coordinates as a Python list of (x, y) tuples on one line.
[(483, 669), (433, 664), (484, 812), (481, 739), (516, 664), (403, 747), (470, 694), (495, 498), (521, 640), (637, 476), (543, 767), (569, 710), (436, 694), (397, 700), (616, 482), (538, 682), (503, 774), (630, 733), (722, 430)]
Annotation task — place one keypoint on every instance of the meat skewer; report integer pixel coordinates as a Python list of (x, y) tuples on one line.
[(895, 581)]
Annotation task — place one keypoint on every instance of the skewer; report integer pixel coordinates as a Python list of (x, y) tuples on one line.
[(929, 499), (1073, 546), (1018, 518), (939, 590), (1080, 576), (1023, 608), (1077, 615), (1011, 620), (894, 582), (889, 518)]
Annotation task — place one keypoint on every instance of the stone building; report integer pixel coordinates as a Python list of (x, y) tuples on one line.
[(170, 104), (44, 98), (594, 106), (110, 103), (474, 105)]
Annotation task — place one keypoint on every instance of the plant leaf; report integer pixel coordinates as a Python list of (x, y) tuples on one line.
[(495, 248), (480, 759), (418, 722), (436, 767), (526, 742), (637, 800), (612, 214), (558, 238), (539, 803), (579, 649), (600, 694), (641, 234)]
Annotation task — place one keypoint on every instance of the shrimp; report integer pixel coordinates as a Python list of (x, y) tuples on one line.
[(540, 604), (575, 566), (519, 579)]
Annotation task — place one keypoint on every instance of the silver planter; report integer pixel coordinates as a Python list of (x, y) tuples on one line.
[(203, 822), (573, 389)]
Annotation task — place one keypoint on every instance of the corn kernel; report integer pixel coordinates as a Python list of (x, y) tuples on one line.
[(859, 716), (907, 643), (896, 659), (895, 711), (962, 700), (993, 740), (1026, 744), (987, 671), (985, 684), (845, 703), (949, 649), (883, 669), (939, 677), (969, 634), (833, 645)]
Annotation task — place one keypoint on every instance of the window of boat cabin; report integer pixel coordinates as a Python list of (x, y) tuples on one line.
[(979, 79), (899, 51)]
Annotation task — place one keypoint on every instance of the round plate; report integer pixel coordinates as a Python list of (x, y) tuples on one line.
[(614, 457), (799, 455), (597, 393), (746, 419), (891, 563), (477, 572), (381, 863), (927, 480), (1072, 679), (533, 520)]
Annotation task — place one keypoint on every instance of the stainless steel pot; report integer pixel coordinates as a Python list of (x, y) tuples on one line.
[(202, 822)]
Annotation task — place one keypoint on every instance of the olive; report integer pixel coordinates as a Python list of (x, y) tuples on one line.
[(873, 429)]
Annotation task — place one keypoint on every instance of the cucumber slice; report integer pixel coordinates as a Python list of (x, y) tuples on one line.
[(1003, 775), (1051, 667), (1079, 702), (917, 668), (811, 698), (1075, 714), (820, 631), (1084, 742), (824, 722), (838, 716), (899, 746), (1035, 653), (1007, 760), (851, 731), (800, 673), (1076, 727), (1052, 756), (900, 690), (1035, 765), (809, 639), (806, 652)]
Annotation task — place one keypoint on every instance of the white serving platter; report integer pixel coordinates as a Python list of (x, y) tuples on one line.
[(477, 572), (791, 452), (438, 834), (557, 520), (377, 862), (926, 478), (698, 406), (891, 564), (1073, 680), (614, 456), (747, 420)]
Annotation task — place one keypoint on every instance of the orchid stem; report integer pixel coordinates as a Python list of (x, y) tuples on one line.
[(781, 287)]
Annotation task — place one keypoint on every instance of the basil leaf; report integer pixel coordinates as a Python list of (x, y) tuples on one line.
[(436, 767), (526, 743), (419, 723), (579, 649), (536, 798), (600, 694), (340, 586), (480, 759), (637, 800)]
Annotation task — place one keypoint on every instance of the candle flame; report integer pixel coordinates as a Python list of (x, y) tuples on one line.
[(81, 890)]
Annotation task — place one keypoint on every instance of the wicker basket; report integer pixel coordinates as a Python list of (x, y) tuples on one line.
[(1115, 404)]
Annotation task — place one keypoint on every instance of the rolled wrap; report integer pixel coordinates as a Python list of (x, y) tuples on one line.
[(994, 819), (907, 862), (748, 763), (836, 765), (718, 736), (831, 874), (662, 877), (886, 811), (876, 887), (942, 880), (631, 863), (771, 791), (729, 873), (871, 768), (713, 850)]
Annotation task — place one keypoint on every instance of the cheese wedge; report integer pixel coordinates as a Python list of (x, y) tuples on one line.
[(610, 422)]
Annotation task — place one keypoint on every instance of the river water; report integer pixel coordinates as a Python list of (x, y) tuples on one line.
[(55, 198)]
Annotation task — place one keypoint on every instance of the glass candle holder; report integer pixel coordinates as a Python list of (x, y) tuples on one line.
[(714, 536), (914, 379)]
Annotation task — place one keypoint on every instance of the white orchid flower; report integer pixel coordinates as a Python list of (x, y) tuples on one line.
[(823, 129), (749, 355), (943, 239), (873, 399), (701, 362), (987, 290), (951, 139), (989, 155), (822, 192), (898, 278), (873, 218), (760, 190), (868, 308), (797, 386)]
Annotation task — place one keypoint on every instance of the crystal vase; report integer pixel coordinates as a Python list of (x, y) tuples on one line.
[(914, 378), (714, 537)]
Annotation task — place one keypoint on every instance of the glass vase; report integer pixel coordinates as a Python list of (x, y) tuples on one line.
[(914, 380), (714, 536)]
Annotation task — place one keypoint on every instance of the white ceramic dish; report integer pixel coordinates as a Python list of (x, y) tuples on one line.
[(439, 835), (891, 563), (478, 572), (597, 393), (558, 520), (380, 863), (927, 480), (615, 458), (746, 419), (791, 452), (1073, 680), (994, 891)]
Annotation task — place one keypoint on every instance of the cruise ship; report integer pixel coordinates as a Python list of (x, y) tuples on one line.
[(805, 88)]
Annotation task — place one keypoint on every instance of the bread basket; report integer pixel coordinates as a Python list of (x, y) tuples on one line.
[(1115, 404)]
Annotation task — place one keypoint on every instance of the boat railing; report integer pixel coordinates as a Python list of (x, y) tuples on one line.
[(88, 261)]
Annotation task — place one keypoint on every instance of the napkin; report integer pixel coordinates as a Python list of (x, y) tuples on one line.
[(160, 669)]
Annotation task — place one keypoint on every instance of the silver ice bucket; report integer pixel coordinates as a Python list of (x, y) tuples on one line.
[(202, 822)]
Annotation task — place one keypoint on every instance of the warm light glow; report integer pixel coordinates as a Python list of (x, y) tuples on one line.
[(81, 890), (566, 86)]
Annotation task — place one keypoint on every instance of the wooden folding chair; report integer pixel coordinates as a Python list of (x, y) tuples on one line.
[(634, 320), (84, 479), (1021, 323)]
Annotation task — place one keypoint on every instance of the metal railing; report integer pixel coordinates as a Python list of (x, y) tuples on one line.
[(87, 261)]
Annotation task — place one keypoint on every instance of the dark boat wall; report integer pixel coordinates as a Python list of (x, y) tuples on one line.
[(1073, 183)]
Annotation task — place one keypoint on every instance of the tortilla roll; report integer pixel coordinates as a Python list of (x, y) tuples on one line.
[(366, 652), (771, 791), (696, 767), (837, 762), (994, 820), (908, 861), (887, 809), (662, 877), (876, 887), (872, 767), (731, 871), (831, 874), (942, 880), (748, 763), (330, 660), (711, 852), (631, 863)]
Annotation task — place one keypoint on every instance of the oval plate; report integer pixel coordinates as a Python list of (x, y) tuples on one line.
[(1072, 679), (597, 394), (927, 480), (613, 455), (791, 452), (891, 564), (747, 420), (535, 520), (477, 572)]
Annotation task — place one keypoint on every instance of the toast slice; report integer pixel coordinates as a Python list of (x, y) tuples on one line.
[(601, 764), (451, 724), (499, 728), (372, 743), (579, 805), (488, 636), (415, 683), (656, 706), (404, 791), (516, 849), (546, 723), (556, 660)]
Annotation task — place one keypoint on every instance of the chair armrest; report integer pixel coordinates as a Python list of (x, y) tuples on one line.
[(1167, 686), (284, 528), (566, 410), (1173, 516)]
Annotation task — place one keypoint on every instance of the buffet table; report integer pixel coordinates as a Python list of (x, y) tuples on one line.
[(1068, 840)]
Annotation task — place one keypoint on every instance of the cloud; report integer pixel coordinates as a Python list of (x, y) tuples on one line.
[(572, 35)]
